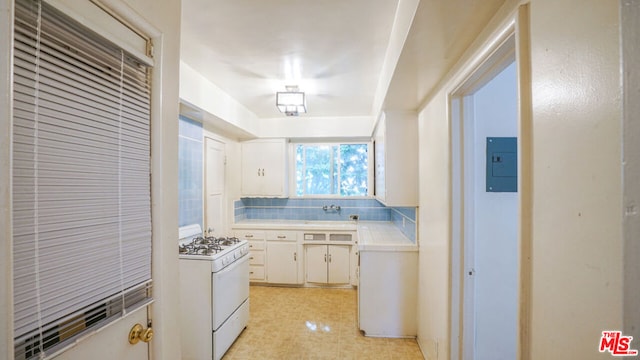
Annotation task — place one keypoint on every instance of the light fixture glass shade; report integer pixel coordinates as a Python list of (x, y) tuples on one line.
[(291, 103)]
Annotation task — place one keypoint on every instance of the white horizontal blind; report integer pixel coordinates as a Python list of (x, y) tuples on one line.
[(81, 180)]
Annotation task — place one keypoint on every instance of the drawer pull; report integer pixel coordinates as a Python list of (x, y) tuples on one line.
[(250, 246), (248, 236), (250, 272), (251, 258), (282, 236)]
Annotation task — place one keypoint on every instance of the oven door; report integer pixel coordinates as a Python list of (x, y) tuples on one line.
[(230, 288)]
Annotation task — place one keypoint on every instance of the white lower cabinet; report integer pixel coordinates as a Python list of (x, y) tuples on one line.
[(282, 260), (328, 264), (299, 257), (256, 253)]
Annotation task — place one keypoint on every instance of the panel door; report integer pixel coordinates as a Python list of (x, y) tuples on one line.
[(282, 262), (214, 186), (339, 257), (112, 342), (316, 261)]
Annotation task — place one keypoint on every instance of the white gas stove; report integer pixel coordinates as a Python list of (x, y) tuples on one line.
[(222, 251), (214, 285)]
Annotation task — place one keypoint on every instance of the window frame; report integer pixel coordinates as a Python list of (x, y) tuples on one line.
[(292, 168)]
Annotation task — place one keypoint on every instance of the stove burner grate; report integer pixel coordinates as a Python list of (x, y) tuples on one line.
[(207, 245)]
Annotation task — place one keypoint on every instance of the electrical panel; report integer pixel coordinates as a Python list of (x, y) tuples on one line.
[(502, 164)]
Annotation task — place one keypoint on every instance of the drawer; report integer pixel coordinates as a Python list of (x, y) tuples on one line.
[(341, 237), (315, 237), (256, 272), (282, 235), (249, 234), (256, 245), (256, 257)]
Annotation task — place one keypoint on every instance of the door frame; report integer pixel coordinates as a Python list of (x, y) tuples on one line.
[(513, 39)]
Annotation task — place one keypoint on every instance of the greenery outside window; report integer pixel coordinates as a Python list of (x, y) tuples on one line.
[(336, 169)]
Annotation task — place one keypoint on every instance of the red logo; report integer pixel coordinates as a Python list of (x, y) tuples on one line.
[(617, 344)]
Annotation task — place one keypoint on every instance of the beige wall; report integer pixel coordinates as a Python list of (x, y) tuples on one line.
[(434, 230), (577, 194), (576, 200)]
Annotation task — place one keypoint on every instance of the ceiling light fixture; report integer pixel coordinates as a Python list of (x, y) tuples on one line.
[(291, 102)]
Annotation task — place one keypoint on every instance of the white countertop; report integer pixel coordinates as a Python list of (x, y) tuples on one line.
[(382, 236), (295, 225), (372, 235)]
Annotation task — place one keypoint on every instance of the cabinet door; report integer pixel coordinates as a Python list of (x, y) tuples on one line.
[(282, 263), (316, 261), (273, 169), (251, 168), (264, 168), (339, 261)]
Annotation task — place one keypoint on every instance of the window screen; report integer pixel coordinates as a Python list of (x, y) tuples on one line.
[(81, 184)]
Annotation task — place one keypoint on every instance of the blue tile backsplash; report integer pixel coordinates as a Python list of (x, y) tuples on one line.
[(311, 210)]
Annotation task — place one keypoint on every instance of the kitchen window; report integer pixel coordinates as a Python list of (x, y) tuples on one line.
[(190, 170), (333, 169)]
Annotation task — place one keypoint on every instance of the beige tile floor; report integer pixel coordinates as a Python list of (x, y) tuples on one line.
[(311, 323)]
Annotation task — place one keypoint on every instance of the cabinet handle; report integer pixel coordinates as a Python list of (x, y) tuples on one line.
[(329, 257), (295, 256), (282, 237), (258, 171), (248, 236), (325, 257), (262, 172)]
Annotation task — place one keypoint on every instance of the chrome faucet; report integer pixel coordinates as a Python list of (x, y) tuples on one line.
[(331, 207)]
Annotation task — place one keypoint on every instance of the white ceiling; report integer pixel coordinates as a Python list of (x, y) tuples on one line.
[(332, 49)]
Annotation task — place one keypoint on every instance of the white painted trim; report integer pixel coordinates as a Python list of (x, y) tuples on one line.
[(525, 179), (6, 228), (490, 57), (127, 15), (164, 213), (106, 25)]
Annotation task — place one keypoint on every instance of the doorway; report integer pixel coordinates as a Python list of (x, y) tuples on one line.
[(214, 186), (485, 252)]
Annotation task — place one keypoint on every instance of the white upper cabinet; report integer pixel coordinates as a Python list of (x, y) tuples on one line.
[(264, 168), (396, 158)]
